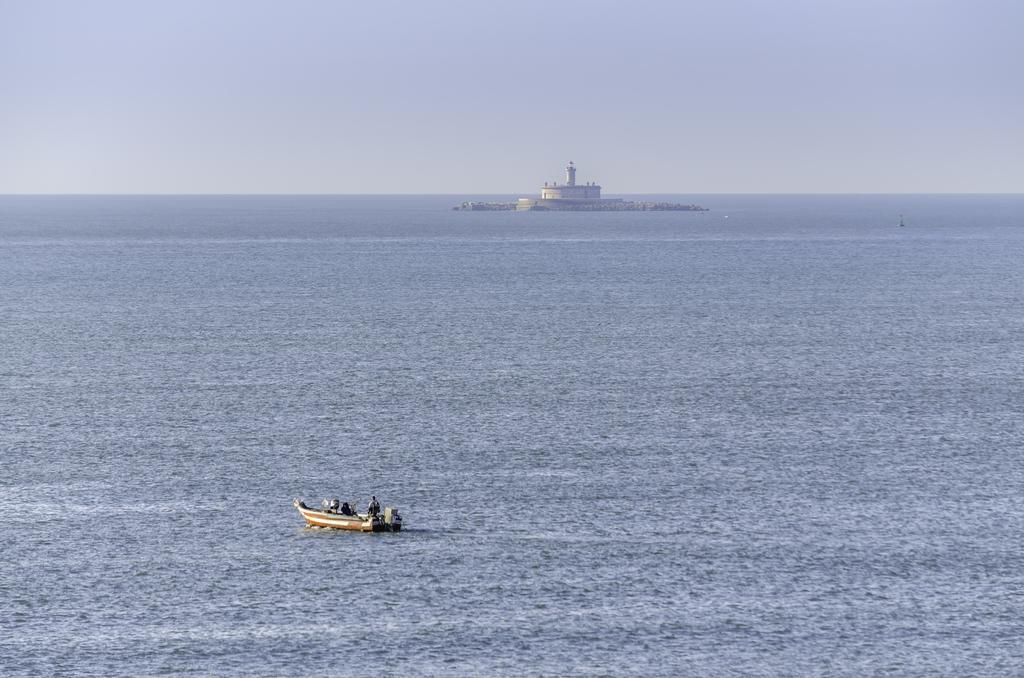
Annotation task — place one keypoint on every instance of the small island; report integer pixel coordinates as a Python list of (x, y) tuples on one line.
[(571, 197)]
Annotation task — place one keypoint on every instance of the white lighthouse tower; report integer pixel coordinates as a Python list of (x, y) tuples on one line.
[(554, 195)]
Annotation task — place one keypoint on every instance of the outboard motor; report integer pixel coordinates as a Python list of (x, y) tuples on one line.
[(392, 519)]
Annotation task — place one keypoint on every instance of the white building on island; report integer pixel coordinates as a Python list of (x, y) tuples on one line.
[(564, 195)]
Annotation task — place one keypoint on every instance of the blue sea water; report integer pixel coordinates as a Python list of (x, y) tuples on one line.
[(781, 437)]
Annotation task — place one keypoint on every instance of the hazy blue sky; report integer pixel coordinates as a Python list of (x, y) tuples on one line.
[(477, 97)]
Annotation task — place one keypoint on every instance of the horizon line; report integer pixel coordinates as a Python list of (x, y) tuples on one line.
[(456, 195)]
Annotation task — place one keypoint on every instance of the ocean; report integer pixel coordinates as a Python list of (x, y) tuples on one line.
[(780, 437)]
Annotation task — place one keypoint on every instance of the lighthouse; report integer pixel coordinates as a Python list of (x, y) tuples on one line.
[(589, 192), (570, 196)]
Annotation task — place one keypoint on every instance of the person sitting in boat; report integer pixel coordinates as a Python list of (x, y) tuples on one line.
[(335, 504), (346, 510), (374, 508)]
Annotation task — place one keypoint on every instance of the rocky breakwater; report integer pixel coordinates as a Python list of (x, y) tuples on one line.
[(598, 206), (485, 206)]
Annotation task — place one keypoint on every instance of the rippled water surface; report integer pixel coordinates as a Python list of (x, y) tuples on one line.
[(780, 437)]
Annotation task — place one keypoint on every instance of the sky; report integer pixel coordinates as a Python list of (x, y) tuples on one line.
[(338, 97)]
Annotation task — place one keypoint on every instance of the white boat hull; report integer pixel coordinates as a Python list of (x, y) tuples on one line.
[(356, 523)]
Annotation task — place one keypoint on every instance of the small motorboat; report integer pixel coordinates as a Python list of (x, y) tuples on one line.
[(388, 521)]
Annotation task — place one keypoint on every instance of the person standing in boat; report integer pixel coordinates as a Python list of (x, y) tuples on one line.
[(374, 508)]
